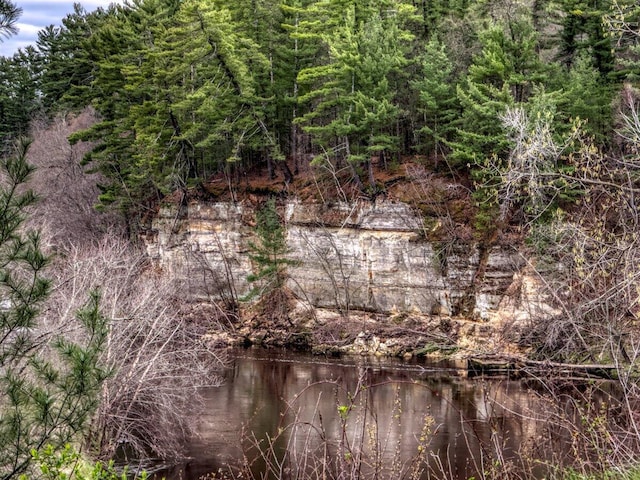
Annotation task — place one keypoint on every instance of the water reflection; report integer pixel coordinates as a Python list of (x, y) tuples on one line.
[(387, 406)]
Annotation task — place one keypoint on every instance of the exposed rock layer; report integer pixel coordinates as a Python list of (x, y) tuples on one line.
[(361, 256)]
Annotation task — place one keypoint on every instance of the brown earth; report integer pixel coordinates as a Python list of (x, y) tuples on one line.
[(285, 322)]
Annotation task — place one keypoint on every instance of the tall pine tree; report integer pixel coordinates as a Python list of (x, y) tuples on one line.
[(351, 106), (504, 73), (437, 105)]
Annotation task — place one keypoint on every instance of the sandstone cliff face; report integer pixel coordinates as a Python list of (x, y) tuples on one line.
[(359, 256)]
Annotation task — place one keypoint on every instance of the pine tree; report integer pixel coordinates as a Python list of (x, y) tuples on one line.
[(582, 30), (221, 105), (121, 92), (161, 159), (18, 95), (17, 81), (65, 63), (381, 57), (269, 253), (179, 93), (483, 97), (588, 96), (296, 53), (437, 104), (45, 401), (504, 74), (351, 106), (9, 15)]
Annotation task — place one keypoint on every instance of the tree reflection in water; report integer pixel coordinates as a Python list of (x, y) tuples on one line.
[(366, 418)]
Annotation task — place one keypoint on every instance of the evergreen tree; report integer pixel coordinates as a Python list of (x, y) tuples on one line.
[(352, 107), (118, 51), (381, 57), (582, 30), (587, 96), (437, 102), (18, 95), (161, 159), (503, 74), (181, 93), (9, 15), (483, 97), (44, 402), (221, 104), (66, 65), (433, 12), (17, 81), (296, 53), (269, 253)]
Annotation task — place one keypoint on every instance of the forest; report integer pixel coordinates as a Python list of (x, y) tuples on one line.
[(530, 105), (186, 90)]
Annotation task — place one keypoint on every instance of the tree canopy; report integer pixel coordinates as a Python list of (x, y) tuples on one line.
[(192, 89)]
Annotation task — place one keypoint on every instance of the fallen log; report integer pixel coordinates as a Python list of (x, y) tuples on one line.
[(589, 370), (477, 366), (516, 367)]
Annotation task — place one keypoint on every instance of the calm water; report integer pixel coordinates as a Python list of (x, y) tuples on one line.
[(392, 411)]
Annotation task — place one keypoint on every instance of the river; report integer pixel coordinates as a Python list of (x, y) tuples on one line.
[(384, 416)]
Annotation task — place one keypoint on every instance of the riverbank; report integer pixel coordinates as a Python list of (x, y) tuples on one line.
[(485, 348), (332, 333)]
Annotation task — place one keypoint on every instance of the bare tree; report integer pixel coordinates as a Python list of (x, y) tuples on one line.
[(528, 179), (331, 172), (156, 353), (158, 357), (68, 189), (587, 260)]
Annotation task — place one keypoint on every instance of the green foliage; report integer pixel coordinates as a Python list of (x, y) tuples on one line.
[(9, 15), (18, 95), (269, 253), (504, 74), (438, 103), (65, 64), (189, 89), (351, 103), (583, 31), (631, 473), (50, 385), (68, 464), (433, 14), (108, 47), (180, 99), (483, 97), (588, 97), (221, 111), (22, 286), (621, 27), (294, 53)]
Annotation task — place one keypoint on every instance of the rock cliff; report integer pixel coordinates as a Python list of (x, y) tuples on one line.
[(361, 256)]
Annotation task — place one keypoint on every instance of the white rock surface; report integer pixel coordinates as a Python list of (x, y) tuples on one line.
[(359, 256)]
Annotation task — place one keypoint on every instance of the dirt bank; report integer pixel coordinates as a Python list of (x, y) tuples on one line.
[(328, 332)]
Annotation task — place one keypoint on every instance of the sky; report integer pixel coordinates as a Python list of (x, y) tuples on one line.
[(38, 14)]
